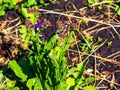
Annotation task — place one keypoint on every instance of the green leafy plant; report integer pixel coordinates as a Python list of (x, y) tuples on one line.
[(2, 10), (113, 3), (87, 46), (12, 4), (6, 83), (45, 67)]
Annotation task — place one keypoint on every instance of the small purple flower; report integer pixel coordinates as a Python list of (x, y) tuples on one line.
[(32, 26), (36, 26), (39, 24), (35, 10), (60, 34)]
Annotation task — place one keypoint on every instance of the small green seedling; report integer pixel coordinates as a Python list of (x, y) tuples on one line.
[(109, 43), (90, 38), (99, 39)]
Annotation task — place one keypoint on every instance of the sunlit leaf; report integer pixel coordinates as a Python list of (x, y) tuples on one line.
[(76, 74), (31, 83), (11, 83), (14, 2), (1, 1), (118, 11), (12, 88), (17, 70), (2, 10), (38, 85), (71, 71), (109, 1), (89, 88), (70, 82), (23, 29), (31, 2), (42, 2), (1, 75), (80, 66), (27, 15), (89, 80), (47, 86)]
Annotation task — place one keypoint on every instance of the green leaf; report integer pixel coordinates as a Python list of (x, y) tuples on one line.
[(80, 66), (89, 88), (116, 7), (6, 1), (31, 2), (42, 2), (38, 85), (118, 11), (89, 80), (109, 1), (34, 83), (93, 48), (31, 83), (47, 86), (0, 1), (14, 2), (10, 83), (71, 71), (70, 82), (27, 15), (51, 42), (90, 1), (2, 10), (99, 39), (17, 70), (12, 88), (76, 74), (109, 43), (23, 29), (100, 7), (80, 82), (1, 75)]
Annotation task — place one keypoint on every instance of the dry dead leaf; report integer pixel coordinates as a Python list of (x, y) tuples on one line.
[(3, 25), (107, 73), (112, 81), (3, 61)]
